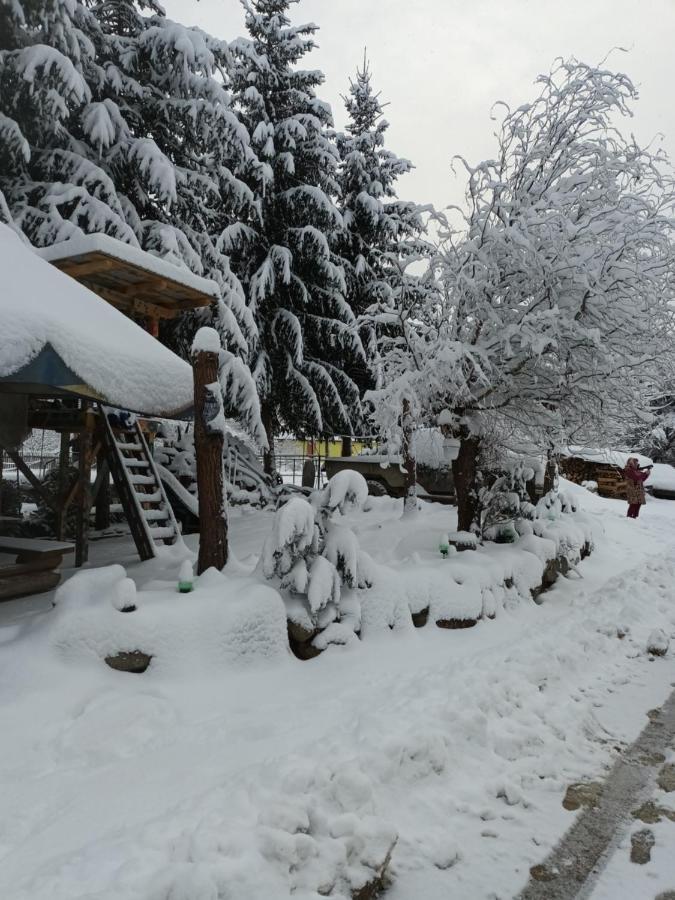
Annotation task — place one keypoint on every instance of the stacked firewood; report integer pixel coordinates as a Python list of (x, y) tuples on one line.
[(608, 478)]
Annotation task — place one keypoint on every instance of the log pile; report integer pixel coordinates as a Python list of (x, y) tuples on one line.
[(609, 480)]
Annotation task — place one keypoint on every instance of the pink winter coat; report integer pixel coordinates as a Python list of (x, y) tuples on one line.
[(635, 488)]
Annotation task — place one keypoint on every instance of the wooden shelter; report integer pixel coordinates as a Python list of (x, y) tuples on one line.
[(581, 464), (71, 363), (140, 285)]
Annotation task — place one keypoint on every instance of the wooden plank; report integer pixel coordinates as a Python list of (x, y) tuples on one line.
[(155, 284), (153, 310), (30, 583), (10, 544), (134, 306), (79, 270)]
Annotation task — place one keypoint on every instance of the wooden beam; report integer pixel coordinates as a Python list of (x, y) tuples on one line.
[(153, 310), (64, 458), (63, 420), (80, 270), (156, 284), (134, 306), (84, 498), (31, 478)]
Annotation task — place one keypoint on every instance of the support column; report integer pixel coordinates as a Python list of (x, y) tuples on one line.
[(209, 452), (103, 496), (64, 454), (84, 487)]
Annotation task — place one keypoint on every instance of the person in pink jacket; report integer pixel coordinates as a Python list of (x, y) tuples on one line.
[(635, 488)]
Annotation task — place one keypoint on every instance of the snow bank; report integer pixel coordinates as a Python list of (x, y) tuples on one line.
[(662, 477), (102, 243), (470, 585), (40, 306), (224, 621)]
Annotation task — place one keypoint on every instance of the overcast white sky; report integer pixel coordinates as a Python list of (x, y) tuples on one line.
[(441, 64)]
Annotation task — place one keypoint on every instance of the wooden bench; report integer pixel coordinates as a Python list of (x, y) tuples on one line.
[(34, 569)]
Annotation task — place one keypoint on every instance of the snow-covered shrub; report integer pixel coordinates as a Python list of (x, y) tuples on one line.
[(245, 480), (505, 506), (312, 554), (658, 642)]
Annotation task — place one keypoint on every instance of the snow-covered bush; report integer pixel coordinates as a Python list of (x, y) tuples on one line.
[(245, 480), (505, 506), (312, 554)]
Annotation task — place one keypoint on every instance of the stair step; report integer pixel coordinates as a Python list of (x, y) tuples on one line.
[(141, 479), (132, 448), (155, 515), (162, 531), (155, 497)]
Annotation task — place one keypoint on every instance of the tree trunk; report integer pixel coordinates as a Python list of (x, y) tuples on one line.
[(209, 459), (346, 446), (267, 417), (408, 460), (465, 474), (550, 473)]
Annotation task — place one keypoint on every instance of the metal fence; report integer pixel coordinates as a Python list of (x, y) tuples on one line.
[(290, 466), (39, 463)]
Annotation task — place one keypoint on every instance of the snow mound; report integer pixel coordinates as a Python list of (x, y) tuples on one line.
[(345, 488), (662, 477), (206, 340), (224, 621)]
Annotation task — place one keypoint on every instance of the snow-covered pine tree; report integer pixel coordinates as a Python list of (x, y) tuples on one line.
[(381, 234), (116, 121), (294, 281)]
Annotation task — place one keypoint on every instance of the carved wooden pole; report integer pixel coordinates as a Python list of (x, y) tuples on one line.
[(209, 440)]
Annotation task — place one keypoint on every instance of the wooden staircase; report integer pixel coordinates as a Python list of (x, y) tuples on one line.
[(146, 506)]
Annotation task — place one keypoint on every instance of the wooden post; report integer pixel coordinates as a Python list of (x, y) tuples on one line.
[(103, 496), (408, 459), (267, 418), (64, 453), (84, 491), (209, 455)]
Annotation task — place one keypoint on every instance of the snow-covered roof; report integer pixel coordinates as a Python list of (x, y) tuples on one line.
[(605, 456), (102, 243), (41, 307)]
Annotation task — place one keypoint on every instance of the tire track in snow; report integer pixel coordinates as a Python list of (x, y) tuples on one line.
[(571, 868)]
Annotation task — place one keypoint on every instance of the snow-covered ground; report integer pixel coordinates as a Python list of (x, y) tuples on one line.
[(220, 778)]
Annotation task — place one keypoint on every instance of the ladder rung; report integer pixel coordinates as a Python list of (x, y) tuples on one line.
[(136, 463), (132, 448), (141, 479), (155, 515), (162, 531), (149, 498)]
